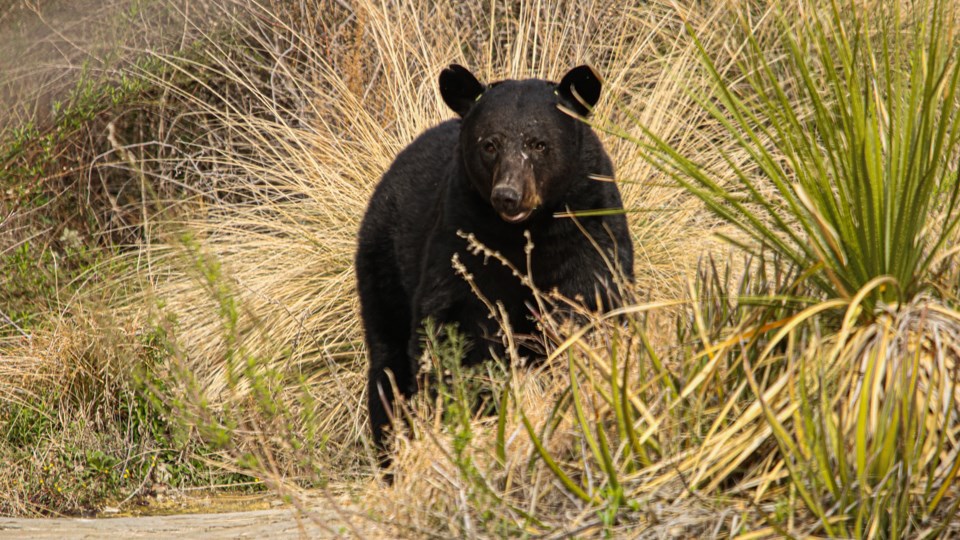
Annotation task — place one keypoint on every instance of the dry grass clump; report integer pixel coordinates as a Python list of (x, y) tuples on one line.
[(68, 401)]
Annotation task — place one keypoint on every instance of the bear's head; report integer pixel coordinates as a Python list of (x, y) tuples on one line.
[(520, 144)]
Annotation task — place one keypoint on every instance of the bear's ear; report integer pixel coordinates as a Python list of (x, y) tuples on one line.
[(459, 89), (581, 87)]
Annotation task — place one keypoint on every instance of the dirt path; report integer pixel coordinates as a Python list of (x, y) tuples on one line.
[(48, 46), (275, 523), (212, 517)]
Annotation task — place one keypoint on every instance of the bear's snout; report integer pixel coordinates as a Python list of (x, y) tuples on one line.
[(514, 195), (506, 200), (514, 203)]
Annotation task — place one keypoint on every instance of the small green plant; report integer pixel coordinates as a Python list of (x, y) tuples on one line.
[(467, 394), (26, 423)]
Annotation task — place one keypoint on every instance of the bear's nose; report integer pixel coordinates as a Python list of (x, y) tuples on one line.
[(506, 199)]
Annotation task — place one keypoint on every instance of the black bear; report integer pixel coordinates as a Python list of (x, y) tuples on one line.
[(517, 156)]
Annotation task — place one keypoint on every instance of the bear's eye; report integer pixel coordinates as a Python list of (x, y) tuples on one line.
[(540, 146), (489, 147)]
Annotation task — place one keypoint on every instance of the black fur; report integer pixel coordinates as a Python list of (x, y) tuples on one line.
[(512, 162)]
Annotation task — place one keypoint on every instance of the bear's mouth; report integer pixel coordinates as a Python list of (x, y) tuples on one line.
[(515, 218)]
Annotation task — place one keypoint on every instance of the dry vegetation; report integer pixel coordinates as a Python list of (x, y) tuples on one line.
[(204, 330)]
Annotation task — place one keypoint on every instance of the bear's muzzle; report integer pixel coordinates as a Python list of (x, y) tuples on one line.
[(514, 195)]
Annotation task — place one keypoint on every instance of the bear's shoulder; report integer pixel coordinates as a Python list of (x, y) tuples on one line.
[(437, 142), (420, 168)]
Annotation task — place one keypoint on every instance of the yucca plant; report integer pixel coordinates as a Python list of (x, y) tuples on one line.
[(852, 119)]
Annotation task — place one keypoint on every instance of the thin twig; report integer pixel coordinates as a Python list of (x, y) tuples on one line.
[(10, 322)]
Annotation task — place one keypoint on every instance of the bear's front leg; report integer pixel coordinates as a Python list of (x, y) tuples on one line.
[(454, 304)]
